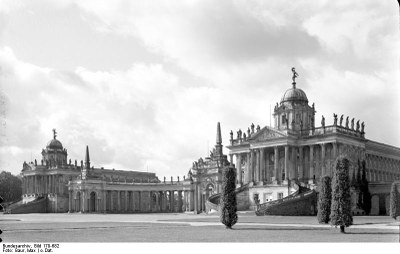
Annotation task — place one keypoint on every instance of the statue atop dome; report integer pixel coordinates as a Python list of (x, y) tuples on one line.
[(54, 133), (295, 75)]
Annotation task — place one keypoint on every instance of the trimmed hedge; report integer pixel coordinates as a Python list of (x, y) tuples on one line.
[(341, 198), (324, 200), (394, 202), (228, 207)]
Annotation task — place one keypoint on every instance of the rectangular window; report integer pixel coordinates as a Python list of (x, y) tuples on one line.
[(280, 195), (267, 197)]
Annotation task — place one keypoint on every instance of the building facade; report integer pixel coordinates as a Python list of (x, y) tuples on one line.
[(269, 158), (268, 161), (68, 186)]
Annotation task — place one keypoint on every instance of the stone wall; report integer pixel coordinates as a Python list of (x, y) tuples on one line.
[(57, 203), (242, 200)]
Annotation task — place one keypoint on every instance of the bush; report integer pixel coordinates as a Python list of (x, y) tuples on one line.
[(394, 202), (341, 199), (228, 208), (324, 200)]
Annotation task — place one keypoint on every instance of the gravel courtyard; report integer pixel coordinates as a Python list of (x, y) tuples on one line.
[(188, 228)]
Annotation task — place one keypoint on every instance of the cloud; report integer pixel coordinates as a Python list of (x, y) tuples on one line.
[(143, 83)]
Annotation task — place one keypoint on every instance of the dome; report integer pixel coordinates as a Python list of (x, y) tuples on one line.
[(294, 95), (54, 144)]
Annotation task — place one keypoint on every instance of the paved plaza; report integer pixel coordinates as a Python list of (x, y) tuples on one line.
[(188, 228)]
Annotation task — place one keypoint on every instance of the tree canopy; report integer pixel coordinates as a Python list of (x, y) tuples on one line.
[(10, 187)]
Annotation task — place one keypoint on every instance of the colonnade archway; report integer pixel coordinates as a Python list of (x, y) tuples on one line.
[(125, 201)]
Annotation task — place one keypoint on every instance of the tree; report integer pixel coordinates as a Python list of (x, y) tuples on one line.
[(228, 208), (324, 200), (366, 196), (394, 202), (10, 187), (341, 199)]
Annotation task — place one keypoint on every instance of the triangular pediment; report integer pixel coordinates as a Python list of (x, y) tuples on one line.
[(267, 133)]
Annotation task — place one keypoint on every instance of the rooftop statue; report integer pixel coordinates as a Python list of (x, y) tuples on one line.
[(341, 120), (334, 119), (362, 127), (295, 75), (323, 121), (358, 125), (252, 127), (352, 124), (347, 122)]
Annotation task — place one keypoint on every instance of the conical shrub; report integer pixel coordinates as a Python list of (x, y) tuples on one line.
[(228, 207)]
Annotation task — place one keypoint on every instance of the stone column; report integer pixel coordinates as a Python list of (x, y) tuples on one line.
[(111, 201), (187, 193), (126, 201), (334, 155), (180, 201), (195, 199), (249, 166), (286, 162), (311, 180), (161, 201), (83, 201), (70, 197), (191, 200), (301, 162), (293, 171), (323, 167), (104, 201), (267, 168), (261, 173), (151, 201), (171, 201), (239, 168), (43, 180), (140, 201), (231, 158), (257, 166), (276, 165), (34, 184), (118, 201)]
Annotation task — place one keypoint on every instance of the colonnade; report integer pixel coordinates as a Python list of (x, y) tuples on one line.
[(42, 184), (126, 201), (307, 163), (281, 163)]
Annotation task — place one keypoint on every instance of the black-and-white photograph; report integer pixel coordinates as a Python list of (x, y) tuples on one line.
[(198, 121)]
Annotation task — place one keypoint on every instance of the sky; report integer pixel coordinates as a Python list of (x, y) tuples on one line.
[(144, 83)]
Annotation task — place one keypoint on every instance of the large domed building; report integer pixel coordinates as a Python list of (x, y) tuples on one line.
[(277, 167), (275, 161)]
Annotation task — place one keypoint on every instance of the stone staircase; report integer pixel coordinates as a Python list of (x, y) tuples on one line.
[(212, 203), (39, 205), (302, 202)]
